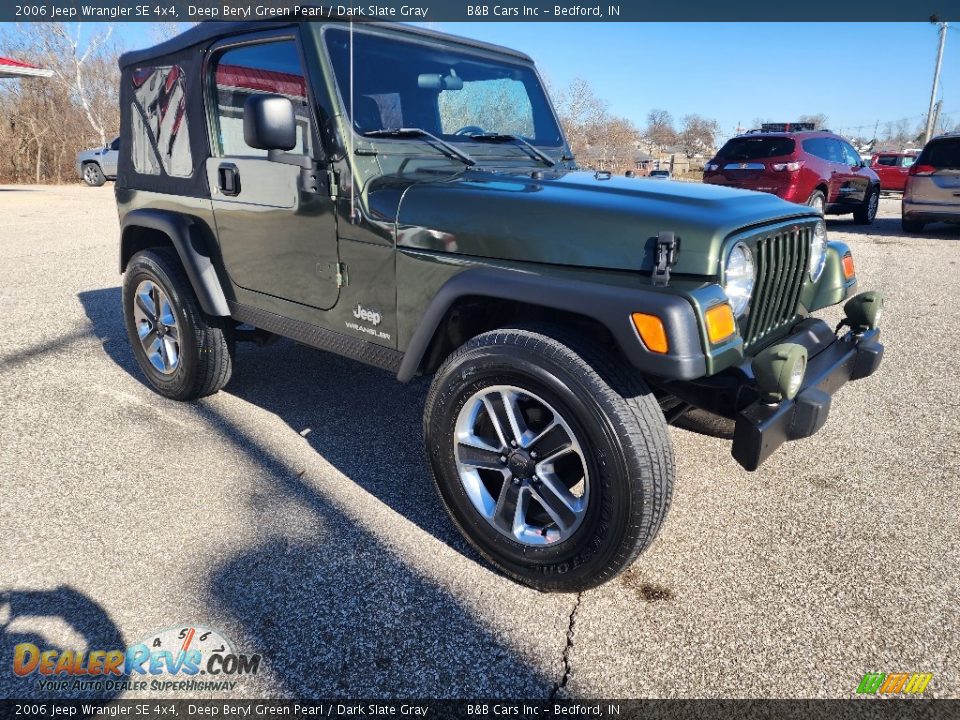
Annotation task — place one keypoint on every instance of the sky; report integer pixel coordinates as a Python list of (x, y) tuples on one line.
[(854, 73)]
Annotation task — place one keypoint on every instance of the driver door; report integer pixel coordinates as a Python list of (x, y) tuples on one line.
[(276, 237)]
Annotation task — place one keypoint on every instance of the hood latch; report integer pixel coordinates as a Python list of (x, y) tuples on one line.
[(667, 252)]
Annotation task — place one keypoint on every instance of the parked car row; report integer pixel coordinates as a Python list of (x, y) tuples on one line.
[(824, 171)]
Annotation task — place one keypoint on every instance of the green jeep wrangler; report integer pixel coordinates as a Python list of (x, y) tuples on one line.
[(408, 199)]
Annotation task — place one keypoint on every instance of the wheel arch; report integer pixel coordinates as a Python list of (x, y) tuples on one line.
[(469, 303), (146, 228)]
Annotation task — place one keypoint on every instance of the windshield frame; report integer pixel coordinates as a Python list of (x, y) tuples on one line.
[(346, 121)]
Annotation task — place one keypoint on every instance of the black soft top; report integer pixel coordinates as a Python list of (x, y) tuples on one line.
[(207, 32)]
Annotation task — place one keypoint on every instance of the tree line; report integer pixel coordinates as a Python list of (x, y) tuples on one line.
[(44, 122)]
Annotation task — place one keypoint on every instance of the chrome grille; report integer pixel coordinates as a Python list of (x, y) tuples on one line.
[(781, 258)]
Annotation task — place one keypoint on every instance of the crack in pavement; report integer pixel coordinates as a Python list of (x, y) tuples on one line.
[(562, 684)]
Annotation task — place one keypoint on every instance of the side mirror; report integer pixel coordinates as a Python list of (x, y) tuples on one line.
[(269, 123)]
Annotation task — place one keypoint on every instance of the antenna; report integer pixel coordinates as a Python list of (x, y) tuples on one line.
[(350, 134)]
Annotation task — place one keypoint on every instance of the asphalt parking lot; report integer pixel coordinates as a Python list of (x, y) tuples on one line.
[(294, 511)]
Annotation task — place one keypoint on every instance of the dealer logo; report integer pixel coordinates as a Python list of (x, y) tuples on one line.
[(171, 659)]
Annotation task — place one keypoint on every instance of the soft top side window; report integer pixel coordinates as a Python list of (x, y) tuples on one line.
[(269, 67)]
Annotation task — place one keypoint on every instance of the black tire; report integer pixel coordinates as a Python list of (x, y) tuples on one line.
[(93, 175), (817, 198), (205, 346), (912, 226), (867, 212), (618, 424)]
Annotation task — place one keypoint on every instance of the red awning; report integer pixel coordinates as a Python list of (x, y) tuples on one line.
[(10, 68)]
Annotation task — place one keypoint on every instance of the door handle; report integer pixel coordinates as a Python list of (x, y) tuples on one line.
[(228, 179)]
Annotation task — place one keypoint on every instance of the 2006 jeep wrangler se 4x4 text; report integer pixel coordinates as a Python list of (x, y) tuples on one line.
[(408, 199)]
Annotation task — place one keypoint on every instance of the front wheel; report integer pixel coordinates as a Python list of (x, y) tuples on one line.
[(817, 201), (865, 214), (93, 175), (183, 353), (555, 465)]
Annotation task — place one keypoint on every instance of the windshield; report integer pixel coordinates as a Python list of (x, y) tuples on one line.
[(756, 148), (450, 93)]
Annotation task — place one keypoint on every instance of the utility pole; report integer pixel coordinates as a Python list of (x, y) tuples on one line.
[(936, 82)]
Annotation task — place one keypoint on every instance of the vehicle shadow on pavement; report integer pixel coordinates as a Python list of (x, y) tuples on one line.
[(38, 617), (346, 616), (343, 611), (359, 418)]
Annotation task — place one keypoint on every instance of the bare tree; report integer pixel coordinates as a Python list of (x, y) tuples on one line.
[(698, 135), (81, 66), (659, 131), (819, 120), (581, 112)]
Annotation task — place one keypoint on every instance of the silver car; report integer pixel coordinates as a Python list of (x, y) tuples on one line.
[(932, 193), (96, 166)]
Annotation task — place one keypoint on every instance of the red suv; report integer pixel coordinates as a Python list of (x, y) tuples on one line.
[(815, 168)]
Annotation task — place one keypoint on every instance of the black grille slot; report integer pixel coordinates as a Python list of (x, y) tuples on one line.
[(781, 260)]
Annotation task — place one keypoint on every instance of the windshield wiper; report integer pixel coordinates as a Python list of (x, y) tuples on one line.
[(419, 132), (506, 137)]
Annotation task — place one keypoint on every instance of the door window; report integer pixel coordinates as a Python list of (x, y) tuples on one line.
[(850, 156), (266, 68), (115, 145), (887, 160)]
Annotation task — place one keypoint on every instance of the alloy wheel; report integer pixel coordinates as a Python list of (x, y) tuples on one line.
[(521, 465), (874, 203), (157, 327)]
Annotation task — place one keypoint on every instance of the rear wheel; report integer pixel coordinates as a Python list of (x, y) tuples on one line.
[(93, 175), (554, 464), (912, 226), (817, 201), (184, 354), (865, 214)]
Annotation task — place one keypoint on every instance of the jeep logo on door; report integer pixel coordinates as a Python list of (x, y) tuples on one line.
[(367, 315)]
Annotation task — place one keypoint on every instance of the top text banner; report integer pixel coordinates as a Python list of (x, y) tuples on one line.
[(459, 11)]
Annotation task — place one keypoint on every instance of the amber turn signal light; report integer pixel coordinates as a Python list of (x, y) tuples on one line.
[(848, 269), (721, 324), (651, 331)]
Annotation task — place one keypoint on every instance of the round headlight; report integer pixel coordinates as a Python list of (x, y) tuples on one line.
[(739, 276), (818, 250)]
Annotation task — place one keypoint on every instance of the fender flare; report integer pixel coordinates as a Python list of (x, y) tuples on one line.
[(185, 236), (610, 305)]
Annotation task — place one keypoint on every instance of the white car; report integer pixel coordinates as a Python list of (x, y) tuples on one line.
[(98, 165)]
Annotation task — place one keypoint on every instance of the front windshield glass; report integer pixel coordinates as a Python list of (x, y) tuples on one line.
[(450, 93)]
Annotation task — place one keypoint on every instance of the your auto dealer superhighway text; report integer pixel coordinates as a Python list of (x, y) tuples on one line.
[(305, 12)]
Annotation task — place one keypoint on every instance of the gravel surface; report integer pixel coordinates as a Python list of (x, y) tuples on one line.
[(294, 511)]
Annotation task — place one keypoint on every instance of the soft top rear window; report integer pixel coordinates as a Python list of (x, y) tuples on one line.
[(755, 148), (943, 153)]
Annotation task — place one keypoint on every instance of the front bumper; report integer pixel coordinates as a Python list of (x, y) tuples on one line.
[(762, 428)]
